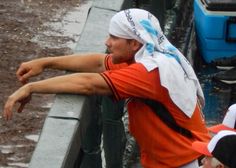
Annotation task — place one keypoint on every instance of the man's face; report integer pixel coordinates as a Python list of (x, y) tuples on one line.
[(209, 162), (206, 162), (121, 50)]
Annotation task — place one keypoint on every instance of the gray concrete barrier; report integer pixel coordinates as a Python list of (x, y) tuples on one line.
[(59, 139)]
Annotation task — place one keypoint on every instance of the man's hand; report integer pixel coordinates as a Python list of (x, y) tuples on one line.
[(29, 69), (22, 95)]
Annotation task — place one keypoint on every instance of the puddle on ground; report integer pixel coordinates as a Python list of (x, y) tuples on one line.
[(13, 161), (218, 96), (34, 138), (19, 164), (47, 105), (9, 149)]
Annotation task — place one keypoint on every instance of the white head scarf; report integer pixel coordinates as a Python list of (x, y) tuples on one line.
[(176, 73)]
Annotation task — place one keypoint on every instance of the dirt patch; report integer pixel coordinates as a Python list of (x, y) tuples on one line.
[(22, 21)]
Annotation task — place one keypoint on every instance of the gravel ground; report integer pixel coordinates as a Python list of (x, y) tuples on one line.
[(32, 29)]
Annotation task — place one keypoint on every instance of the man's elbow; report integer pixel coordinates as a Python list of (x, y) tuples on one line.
[(95, 84), (99, 90)]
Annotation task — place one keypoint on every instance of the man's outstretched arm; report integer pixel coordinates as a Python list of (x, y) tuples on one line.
[(78, 83), (78, 63)]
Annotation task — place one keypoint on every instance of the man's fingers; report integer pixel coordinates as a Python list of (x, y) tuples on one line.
[(7, 113), (24, 78), (23, 102), (21, 72), (21, 107), (23, 75), (24, 81)]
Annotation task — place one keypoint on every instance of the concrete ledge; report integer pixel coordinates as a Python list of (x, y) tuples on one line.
[(59, 141), (115, 5), (95, 31), (67, 106), (57, 137), (63, 130)]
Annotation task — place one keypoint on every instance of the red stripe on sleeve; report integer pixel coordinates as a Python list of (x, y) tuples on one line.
[(106, 62), (110, 84)]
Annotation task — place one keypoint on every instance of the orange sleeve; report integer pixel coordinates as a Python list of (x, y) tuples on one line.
[(133, 81)]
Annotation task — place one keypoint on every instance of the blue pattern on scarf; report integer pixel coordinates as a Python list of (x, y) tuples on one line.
[(148, 27), (151, 30), (150, 48), (171, 53)]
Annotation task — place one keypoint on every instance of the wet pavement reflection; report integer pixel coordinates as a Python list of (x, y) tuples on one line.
[(218, 96)]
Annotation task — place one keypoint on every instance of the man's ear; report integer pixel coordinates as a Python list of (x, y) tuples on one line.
[(220, 165), (136, 45)]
